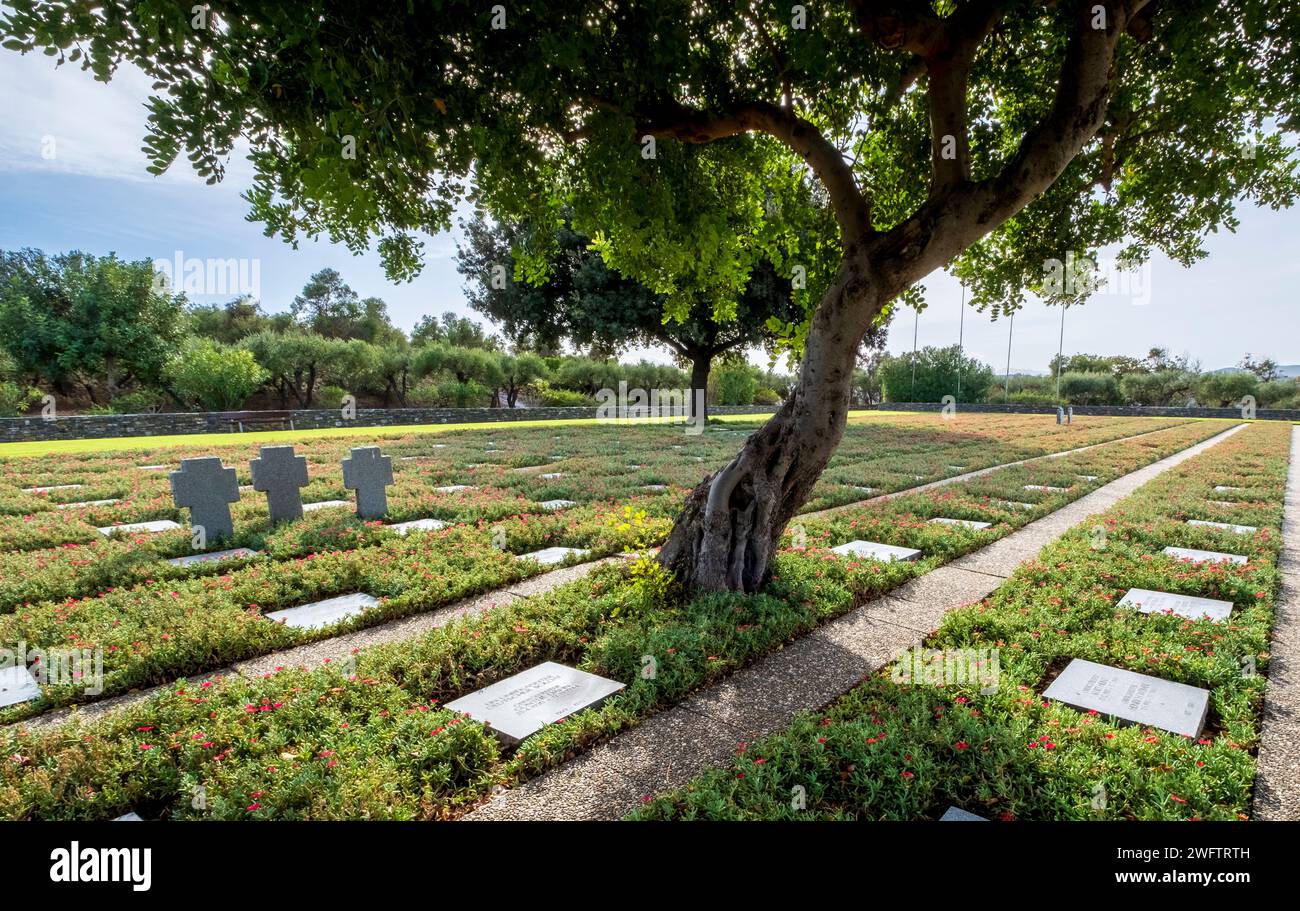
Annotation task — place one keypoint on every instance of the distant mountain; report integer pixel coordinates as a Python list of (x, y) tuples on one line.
[(1288, 370)]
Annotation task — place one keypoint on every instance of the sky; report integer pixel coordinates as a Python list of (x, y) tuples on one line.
[(72, 176)]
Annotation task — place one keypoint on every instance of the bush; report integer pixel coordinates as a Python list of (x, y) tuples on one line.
[(767, 397), (467, 394), (561, 398), (331, 396), (1278, 392), (937, 372), (1032, 397), (15, 399), (1163, 387), (1090, 389), (139, 401), (1226, 390), (213, 376), (734, 384)]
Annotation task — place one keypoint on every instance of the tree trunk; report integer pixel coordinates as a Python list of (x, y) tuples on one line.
[(727, 533), (701, 363)]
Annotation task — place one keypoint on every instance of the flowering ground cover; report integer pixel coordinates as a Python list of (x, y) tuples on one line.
[(897, 750), (369, 740)]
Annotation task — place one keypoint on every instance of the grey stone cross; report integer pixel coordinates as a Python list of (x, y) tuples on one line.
[(278, 473), (207, 488), (368, 472)]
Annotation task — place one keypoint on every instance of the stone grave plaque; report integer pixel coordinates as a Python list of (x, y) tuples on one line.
[(1046, 487), (453, 488), (51, 487), (522, 705), (1224, 503), (1226, 526), (657, 488), (403, 528), (278, 473), (148, 528), (1086, 477), (207, 488), (1223, 488), (969, 523), (549, 556), (129, 817), (1153, 602), (552, 505), (17, 685), (634, 467), (875, 551), (324, 613), (1205, 556), (1129, 696), (369, 473), (212, 557), (865, 489), (957, 467), (957, 814), (324, 504), (1017, 504), (85, 503), (152, 467), (552, 475)]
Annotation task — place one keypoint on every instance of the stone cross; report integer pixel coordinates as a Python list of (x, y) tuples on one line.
[(207, 488), (368, 472), (279, 473)]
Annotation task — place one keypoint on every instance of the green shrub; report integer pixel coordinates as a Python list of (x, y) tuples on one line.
[(734, 384), (1090, 389), (562, 398), (15, 399), (937, 371), (331, 396), (212, 376), (767, 397), (139, 401)]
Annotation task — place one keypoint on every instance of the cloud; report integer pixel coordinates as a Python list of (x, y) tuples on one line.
[(59, 120)]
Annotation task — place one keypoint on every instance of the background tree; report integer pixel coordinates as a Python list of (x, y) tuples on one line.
[(1265, 368), (583, 301), (934, 374), (457, 331), (988, 136), (98, 321)]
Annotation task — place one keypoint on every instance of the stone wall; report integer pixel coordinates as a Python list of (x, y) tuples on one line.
[(103, 426)]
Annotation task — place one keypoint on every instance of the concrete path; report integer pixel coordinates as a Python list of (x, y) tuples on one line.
[(1277, 772), (671, 748)]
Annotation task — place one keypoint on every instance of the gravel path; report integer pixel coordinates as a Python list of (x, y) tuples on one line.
[(1277, 774)]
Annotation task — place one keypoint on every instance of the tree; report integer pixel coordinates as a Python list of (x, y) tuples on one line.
[(234, 320), (458, 331), (470, 367), (213, 376), (295, 361), (988, 136), (517, 371), (932, 374), (74, 317), (1265, 368), (329, 307), (584, 301)]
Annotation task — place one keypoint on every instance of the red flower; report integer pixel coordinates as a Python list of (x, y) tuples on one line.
[(961, 745), (908, 775)]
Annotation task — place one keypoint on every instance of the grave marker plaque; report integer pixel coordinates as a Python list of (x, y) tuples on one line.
[(403, 528), (1129, 696), (17, 685), (1153, 602), (324, 613), (1226, 526), (1205, 556), (969, 523), (549, 556), (522, 705), (212, 557), (957, 814), (147, 528), (875, 551)]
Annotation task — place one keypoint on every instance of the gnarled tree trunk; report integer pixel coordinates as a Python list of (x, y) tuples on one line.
[(728, 531)]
